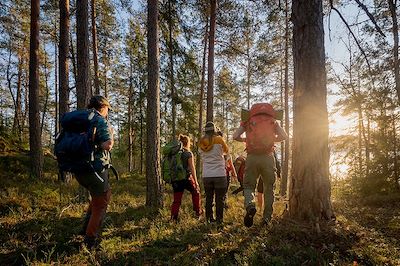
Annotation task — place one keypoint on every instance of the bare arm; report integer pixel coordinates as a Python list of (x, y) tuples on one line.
[(193, 169), (280, 134), (232, 167), (238, 133), (108, 145)]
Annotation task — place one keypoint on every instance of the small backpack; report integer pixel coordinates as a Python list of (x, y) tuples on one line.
[(260, 129), (172, 166), (74, 146)]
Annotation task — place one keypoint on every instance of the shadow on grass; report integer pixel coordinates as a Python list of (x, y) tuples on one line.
[(281, 244), (39, 239)]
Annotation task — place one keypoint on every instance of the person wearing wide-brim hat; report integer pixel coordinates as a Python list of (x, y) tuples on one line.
[(212, 148)]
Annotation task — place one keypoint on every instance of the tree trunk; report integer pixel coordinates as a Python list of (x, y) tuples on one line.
[(47, 91), (105, 78), (141, 128), (285, 167), (73, 60), (82, 54), (35, 142), (17, 125), (248, 74), (94, 47), (63, 50), (171, 69), (395, 30), (210, 73), (56, 110), (9, 78), (395, 165), (154, 192), (201, 98), (130, 103), (310, 187)]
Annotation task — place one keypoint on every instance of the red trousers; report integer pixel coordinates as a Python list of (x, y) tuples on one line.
[(179, 187), (97, 210)]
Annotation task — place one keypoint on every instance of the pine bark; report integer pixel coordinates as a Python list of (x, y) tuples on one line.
[(210, 73), (285, 166), (17, 124), (171, 68), (201, 98), (82, 54), (94, 47), (154, 192), (130, 114), (310, 186), (395, 31), (35, 142)]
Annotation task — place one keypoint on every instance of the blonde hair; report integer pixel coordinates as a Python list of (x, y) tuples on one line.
[(185, 141)]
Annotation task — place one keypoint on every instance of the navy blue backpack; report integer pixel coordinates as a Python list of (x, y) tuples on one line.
[(74, 146)]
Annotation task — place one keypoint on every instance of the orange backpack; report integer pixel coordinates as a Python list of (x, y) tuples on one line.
[(260, 129)]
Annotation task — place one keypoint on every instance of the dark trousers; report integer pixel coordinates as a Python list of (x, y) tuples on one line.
[(228, 182), (96, 213), (179, 187), (215, 186)]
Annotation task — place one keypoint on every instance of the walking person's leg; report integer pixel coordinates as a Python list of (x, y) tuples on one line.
[(196, 201), (220, 191), (249, 185), (260, 194), (209, 190), (228, 182), (178, 188), (268, 171), (99, 208)]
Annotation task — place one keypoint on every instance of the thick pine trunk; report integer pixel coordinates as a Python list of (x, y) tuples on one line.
[(154, 192), (82, 54), (285, 167), (210, 73), (94, 47), (310, 186), (35, 142), (201, 98)]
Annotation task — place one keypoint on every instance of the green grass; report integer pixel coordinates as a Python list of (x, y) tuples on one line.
[(39, 221)]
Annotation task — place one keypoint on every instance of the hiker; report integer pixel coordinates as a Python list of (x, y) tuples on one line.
[(262, 131), (95, 180), (230, 172), (239, 164), (189, 183), (212, 148)]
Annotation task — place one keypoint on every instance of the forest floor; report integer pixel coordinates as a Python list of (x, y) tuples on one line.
[(40, 220)]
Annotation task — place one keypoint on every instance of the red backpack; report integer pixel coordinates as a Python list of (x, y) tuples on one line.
[(260, 129)]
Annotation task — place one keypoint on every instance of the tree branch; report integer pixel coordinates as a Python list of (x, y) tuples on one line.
[(352, 34), (371, 17)]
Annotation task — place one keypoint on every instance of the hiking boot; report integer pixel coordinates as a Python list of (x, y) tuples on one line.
[(175, 218), (248, 218), (91, 242), (210, 220)]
